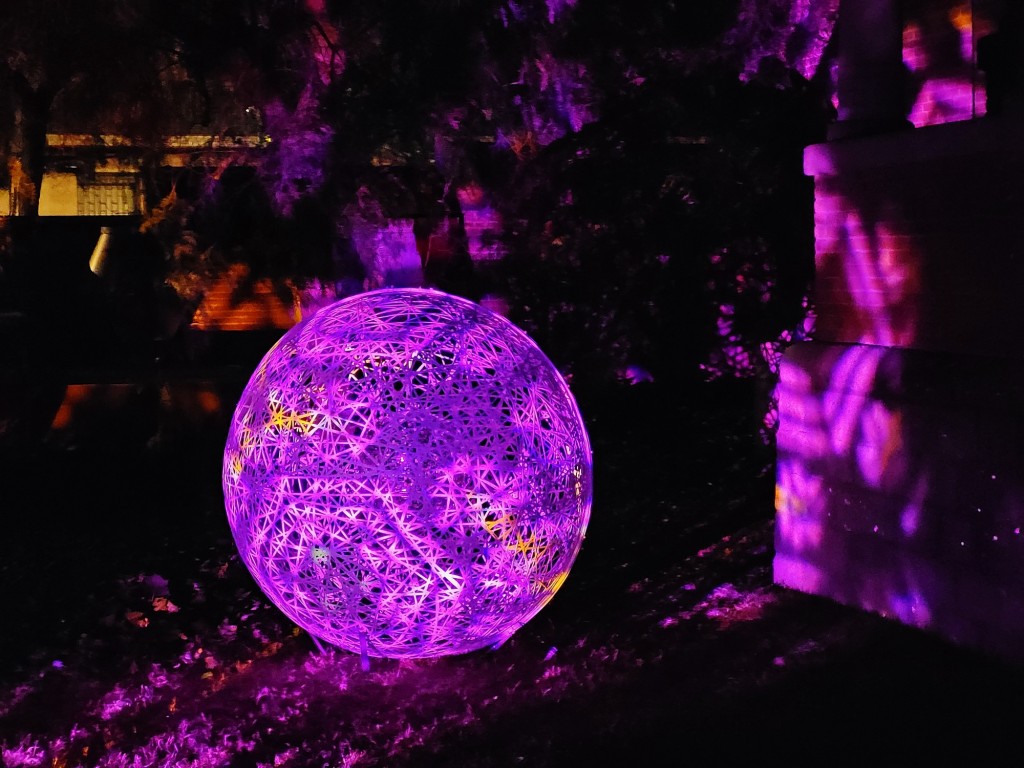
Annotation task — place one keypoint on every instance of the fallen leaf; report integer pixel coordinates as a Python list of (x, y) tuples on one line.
[(137, 618), (163, 604)]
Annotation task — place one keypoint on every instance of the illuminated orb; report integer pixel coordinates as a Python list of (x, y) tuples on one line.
[(407, 475)]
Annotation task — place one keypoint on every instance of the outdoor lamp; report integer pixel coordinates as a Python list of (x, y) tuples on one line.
[(407, 475)]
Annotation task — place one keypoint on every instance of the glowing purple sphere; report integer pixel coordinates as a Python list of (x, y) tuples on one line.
[(407, 475)]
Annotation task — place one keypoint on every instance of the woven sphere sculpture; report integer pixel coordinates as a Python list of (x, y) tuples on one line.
[(407, 475)]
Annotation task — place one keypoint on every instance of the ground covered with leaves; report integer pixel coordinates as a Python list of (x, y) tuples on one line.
[(133, 636)]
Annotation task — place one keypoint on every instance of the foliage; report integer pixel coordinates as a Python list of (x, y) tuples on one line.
[(628, 238), (189, 268), (644, 159)]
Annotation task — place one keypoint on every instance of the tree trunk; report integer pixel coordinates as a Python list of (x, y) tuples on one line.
[(28, 151)]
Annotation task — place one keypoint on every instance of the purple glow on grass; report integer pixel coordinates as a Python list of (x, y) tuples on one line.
[(408, 475), (26, 753)]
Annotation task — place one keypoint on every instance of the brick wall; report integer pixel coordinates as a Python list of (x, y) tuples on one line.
[(900, 485), (917, 241), (940, 41)]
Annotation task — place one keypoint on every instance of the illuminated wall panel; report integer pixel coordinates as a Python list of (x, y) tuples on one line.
[(899, 486), (900, 480), (59, 195), (916, 238)]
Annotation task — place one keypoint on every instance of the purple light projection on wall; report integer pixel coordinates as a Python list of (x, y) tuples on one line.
[(898, 465), (841, 445), (939, 53), (407, 475)]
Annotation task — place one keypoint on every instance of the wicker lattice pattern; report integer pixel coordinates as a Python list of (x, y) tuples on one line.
[(407, 475)]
